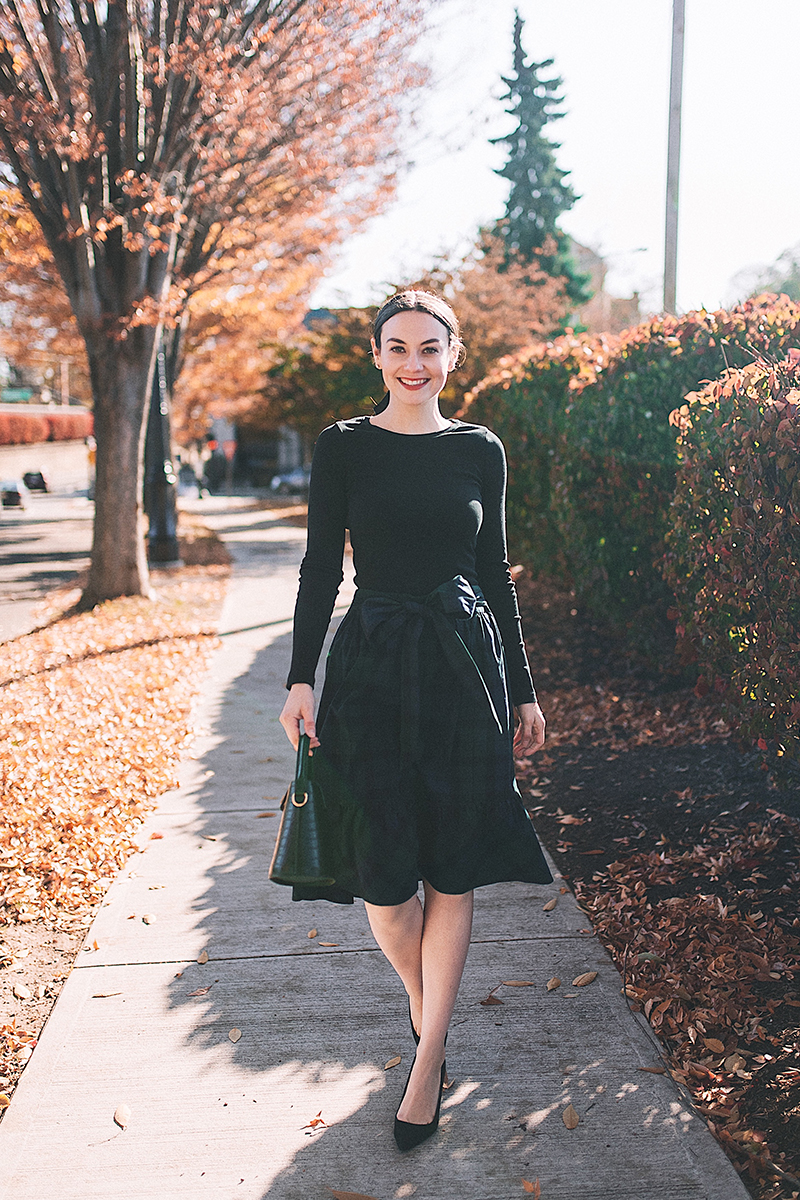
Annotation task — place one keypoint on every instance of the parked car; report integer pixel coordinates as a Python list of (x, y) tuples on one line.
[(12, 493), (291, 482), (36, 481)]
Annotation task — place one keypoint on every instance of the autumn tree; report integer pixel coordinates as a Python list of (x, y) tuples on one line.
[(158, 144), (324, 374), (503, 306), (38, 327), (539, 193), (327, 374)]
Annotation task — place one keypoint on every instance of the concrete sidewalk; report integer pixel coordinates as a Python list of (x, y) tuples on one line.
[(140, 1022)]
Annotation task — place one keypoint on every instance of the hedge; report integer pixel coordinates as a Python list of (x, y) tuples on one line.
[(592, 458), (525, 401), (615, 471), (25, 429), (733, 547)]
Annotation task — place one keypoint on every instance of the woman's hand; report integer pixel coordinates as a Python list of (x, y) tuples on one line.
[(529, 734), (299, 707)]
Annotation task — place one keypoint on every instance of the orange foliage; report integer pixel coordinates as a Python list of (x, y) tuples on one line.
[(39, 327)]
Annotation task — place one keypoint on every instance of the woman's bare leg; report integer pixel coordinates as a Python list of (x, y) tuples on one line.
[(398, 932), (428, 952)]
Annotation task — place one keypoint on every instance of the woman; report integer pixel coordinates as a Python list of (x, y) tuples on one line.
[(415, 716)]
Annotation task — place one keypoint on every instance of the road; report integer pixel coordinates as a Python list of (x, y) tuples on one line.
[(41, 548)]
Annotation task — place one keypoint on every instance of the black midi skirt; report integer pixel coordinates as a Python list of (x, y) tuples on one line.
[(415, 724)]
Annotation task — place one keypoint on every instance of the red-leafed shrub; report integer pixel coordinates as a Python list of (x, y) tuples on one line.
[(68, 426), (592, 457), (614, 472), (525, 400), (20, 429), (26, 429), (733, 548)]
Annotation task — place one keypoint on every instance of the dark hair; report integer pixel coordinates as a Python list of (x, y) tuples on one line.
[(413, 300), (416, 300)]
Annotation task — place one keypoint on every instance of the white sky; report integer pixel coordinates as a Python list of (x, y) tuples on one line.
[(740, 161)]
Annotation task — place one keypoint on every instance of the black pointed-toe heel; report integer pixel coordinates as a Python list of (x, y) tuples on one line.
[(406, 1133)]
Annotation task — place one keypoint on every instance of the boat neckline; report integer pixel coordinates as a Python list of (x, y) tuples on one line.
[(432, 433)]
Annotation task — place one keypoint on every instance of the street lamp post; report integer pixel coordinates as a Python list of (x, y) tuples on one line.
[(674, 157), (159, 475)]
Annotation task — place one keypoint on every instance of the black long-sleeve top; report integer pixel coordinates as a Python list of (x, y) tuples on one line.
[(420, 508)]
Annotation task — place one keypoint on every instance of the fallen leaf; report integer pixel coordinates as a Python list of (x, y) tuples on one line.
[(553, 983), (563, 891), (266, 814), (5, 1100), (393, 1062), (202, 958), (714, 1045), (550, 904), (570, 1117), (156, 837), (584, 979), (315, 1121), (122, 1116), (327, 943), (104, 995), (22, 992), (535, 1188), (491, 998), (235, 1034), (80, 823), (349, 1195), (518, 983), (734, 1062), (203, 991), (149, 919), (312, 933)]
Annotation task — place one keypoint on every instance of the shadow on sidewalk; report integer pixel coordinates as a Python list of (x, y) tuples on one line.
[(318, 1024)]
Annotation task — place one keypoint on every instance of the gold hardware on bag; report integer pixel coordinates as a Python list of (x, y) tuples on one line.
[(299, 803)]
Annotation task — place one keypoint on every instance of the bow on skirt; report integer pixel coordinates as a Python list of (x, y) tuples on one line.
[(459, 617)]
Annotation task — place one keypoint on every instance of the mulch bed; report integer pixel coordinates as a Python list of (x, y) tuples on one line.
[(684, 855)]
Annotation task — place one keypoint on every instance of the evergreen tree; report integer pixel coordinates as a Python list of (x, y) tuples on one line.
[(539, 193)]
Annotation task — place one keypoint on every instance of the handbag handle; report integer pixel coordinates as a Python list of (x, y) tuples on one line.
[(302, 771)]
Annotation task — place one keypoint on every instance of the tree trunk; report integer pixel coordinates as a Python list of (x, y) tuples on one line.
[(121, 372)]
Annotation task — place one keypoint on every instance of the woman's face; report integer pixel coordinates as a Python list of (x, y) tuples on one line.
[(414, 356)]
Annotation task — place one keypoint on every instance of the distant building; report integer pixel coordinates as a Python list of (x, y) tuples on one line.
[(604, 313)]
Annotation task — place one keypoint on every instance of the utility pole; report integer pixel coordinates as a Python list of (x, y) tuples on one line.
[(159, 476), (674, 156)]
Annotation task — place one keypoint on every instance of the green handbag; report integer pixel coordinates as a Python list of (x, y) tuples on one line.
[(300, 851)]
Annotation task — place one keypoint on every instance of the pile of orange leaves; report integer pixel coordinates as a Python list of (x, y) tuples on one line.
[(700, 959), (94, 715)]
